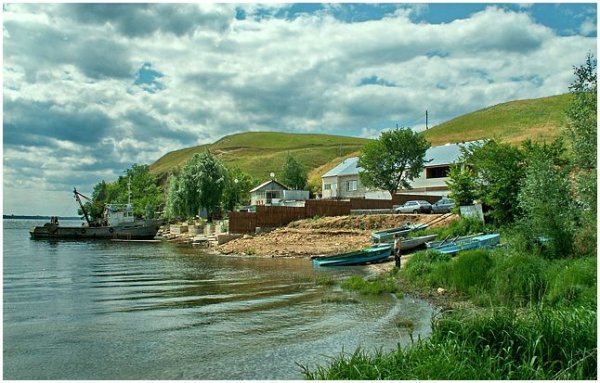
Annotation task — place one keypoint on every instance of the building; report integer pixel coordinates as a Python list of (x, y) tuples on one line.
[(265, 193), (343, 181)]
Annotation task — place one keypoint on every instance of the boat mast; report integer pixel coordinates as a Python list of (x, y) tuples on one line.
[(85, 214), (129, 191)]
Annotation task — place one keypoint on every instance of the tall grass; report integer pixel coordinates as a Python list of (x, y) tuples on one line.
[(540, 344), (373, 286)]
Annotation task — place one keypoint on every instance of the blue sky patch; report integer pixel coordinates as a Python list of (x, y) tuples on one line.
[(146, 78)]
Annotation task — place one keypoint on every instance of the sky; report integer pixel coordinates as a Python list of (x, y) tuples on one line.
[(91, 89)]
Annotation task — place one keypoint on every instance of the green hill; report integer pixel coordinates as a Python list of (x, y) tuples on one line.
[(540, 119), (260, 153)]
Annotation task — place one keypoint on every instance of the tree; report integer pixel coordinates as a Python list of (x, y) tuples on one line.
[(461, 184), (237, 189), (549, 209), (293, 173), (199, 185), (498, 171), (582, 117), (393, 160)]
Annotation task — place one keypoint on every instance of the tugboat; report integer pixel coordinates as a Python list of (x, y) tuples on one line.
[(117, 222)]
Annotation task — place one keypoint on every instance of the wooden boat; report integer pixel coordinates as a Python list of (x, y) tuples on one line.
[(475, 242), (387, 236), (374, 253), (118, 223)]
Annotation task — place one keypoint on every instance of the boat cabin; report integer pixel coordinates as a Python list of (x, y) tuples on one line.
[(116, 214)]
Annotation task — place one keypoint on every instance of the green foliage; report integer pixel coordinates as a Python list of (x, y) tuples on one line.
[(200, 184), (519, 279), (549, 210), (461, 227), (573, 282), (582, 114), (393, 160), (541, 344), (461, 184), (237, 189), (499, 169), (293, 174), (146, 195), (375, 286)]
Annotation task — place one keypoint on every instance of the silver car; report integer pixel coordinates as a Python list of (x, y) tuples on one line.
[(416, 206), (445, 205)]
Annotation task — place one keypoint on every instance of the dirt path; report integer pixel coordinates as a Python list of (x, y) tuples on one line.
[(327, 235)]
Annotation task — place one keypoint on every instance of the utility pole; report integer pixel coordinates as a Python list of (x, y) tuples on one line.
[(426, 119)]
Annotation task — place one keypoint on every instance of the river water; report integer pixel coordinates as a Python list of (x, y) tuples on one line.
[(113, 310)]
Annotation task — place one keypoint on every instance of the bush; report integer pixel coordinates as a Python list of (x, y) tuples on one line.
[(573, 282), (519, 279), (469, 272), (461, 227)]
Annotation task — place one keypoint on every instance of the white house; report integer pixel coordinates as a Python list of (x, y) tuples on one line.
[(265, 193), (343, 182)]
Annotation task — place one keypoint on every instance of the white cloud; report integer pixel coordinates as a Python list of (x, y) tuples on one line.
[(222, 75)]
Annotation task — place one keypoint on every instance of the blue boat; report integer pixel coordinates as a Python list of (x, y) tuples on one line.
[(388, 235), (371, 254), (480, 241)]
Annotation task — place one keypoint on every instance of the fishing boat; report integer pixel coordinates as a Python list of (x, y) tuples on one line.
[(475, 242), (371, 254), (118, 222), (386, 236)]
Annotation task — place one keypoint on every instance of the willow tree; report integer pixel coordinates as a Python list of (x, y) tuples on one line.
[(393, 160)]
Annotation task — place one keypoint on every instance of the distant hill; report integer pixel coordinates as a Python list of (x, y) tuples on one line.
[(260, 153), (540, 119)]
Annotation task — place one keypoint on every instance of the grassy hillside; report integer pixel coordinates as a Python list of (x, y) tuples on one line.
[(260, 153), (540, 119)]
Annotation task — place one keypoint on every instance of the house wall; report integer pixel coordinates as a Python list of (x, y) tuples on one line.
[(423, 183), (332, 192), (259, 197), (343, 191)]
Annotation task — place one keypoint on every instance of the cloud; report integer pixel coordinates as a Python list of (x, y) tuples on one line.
[(90, 89)]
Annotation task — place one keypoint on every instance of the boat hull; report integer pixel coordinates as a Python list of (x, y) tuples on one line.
[(368, 255), (482, 241), (135, 230), (387, 236)]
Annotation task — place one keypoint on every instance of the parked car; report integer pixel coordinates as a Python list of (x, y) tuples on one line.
[(443, 206), (419, 206)]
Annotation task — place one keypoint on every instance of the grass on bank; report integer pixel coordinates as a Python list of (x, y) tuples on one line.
[(537, 344)]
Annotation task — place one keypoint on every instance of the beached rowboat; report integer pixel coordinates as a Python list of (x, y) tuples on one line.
[(383, 236), (474, 242), (371, 254)]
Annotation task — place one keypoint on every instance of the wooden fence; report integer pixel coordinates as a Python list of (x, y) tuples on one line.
[(276, 216)]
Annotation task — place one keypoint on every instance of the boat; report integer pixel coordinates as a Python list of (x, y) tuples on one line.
[(118, 222), (448, 240), (376, 253), (411, 243), (474, 242), (386, 236)]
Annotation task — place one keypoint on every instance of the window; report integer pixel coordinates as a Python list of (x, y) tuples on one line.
[(437, 172), (352, 185), (327, 187)]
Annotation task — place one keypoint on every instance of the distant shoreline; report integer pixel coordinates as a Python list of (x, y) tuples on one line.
[(13, 216)]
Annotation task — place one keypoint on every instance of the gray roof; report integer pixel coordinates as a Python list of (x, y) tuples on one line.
[(439, 155), (446, 154), (267, 183), (348, 167)]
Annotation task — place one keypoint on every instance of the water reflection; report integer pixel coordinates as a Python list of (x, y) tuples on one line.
[(104, 310)]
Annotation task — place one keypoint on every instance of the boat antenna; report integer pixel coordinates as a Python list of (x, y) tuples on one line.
[(85, 214)]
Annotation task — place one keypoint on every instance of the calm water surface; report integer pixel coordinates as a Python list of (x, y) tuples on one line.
[(108, 310)]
